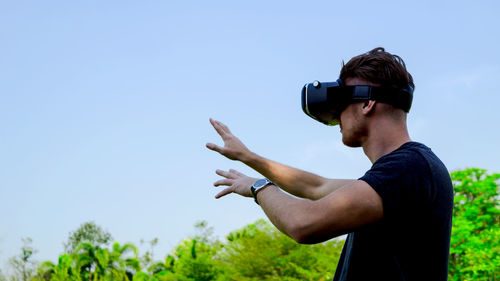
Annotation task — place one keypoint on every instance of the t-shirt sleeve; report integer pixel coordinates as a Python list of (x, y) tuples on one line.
[(402, 181)]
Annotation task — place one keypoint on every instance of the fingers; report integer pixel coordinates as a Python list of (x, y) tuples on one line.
[(221, 129), (224, 127), (223, 182), (235, 172), (224, 192), (237, 182), (225, 174), (229, 180), (217, 126)]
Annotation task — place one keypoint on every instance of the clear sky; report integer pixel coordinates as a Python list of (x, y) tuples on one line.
[(104, 105)]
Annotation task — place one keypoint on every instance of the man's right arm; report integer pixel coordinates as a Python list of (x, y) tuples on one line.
[(294, 181)]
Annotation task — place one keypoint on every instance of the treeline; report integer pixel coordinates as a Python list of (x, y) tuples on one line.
[(256, 252), (260, 252)]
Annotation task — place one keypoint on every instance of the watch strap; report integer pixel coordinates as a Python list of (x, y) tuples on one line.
[(256, 190)]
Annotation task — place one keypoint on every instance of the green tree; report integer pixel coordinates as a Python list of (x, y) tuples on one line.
[(160, 271), (88, 232), (195, 261), (23, 264), (91, 261), (64, 270), (120, 263), (475, 244), (123, 262), (260, 252), (94, 263)]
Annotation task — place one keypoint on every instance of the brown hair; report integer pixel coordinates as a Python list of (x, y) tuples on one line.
[(380, 67)]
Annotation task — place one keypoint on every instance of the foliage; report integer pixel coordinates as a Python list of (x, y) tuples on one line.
[(87, 262), (194, 260), (243, 257), (200, 258), (88, 232), (23, 264), (65, 269), (475, 245), (259, 251)]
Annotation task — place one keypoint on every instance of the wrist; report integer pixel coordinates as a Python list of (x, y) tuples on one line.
[(262, 192), (258, 186), (248, 157)]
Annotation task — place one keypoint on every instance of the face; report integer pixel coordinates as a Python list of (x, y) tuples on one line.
[(353, 125)]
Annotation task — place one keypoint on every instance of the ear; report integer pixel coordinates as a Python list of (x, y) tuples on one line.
[(368, 106)]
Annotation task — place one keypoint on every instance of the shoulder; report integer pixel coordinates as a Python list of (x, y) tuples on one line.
[(401, 176), (408, 153), (414, 161), (408, 160), (410, 176)]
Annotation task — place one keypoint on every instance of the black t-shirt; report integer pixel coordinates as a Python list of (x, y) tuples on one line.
[(412, 241)]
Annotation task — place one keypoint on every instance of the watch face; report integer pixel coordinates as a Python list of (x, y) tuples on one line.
[(260, 183)]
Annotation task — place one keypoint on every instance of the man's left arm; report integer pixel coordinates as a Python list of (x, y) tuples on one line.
[(310, 221), (306, 221)]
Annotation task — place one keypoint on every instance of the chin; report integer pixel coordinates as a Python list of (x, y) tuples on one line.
[(350, 142)]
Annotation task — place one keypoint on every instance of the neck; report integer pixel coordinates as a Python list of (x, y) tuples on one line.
[(383, 138)]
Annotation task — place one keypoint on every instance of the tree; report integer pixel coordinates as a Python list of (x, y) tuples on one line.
[(95, 263), (91, 261), (475, 245), (256, 252), (64, 270), (120, 263), (23, 264), (260, 252), (123, 262), (194, 259), (88, 232)]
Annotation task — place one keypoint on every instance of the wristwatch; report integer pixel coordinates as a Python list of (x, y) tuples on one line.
[(257, 186)]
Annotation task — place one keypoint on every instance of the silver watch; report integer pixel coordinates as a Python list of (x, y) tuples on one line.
[(257, 186)]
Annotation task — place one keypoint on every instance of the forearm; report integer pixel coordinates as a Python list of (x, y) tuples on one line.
[(283, 210), (294, 181), (308, 222)]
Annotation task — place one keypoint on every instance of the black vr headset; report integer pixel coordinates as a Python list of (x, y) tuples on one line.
[(324, 101)]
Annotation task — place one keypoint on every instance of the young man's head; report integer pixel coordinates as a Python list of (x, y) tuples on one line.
[(379, 67), (375, 68)]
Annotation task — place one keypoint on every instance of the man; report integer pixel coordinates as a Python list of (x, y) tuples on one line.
[(397, 216)]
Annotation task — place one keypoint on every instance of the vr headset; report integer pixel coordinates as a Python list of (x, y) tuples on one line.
[(324, 101)]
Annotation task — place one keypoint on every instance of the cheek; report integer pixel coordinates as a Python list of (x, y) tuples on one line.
[(344, 117)]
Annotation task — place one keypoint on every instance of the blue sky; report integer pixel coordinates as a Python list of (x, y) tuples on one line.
[(104, 105)]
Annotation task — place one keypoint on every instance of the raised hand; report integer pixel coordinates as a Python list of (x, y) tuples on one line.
[(237, 182), (233, 148)]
